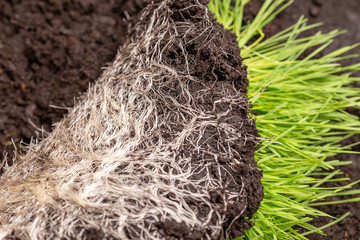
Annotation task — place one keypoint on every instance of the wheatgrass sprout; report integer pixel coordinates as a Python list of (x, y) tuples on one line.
[(299, 106), (160, 147)]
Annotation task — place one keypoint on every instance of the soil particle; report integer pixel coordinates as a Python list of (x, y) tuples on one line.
[(314, 11), (318, 2), (174, 230)]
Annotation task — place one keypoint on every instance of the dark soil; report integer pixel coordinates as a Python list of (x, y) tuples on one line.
[(51, 50), (49, 53)]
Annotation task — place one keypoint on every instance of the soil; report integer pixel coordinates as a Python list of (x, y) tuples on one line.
[(50, 51)]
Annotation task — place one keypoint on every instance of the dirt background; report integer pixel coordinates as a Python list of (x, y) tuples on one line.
[(50, 51)]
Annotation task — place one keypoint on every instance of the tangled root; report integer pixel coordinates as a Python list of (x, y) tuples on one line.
[(161, 147)]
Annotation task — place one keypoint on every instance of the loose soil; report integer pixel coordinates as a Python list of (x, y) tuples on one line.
[(51, 50)]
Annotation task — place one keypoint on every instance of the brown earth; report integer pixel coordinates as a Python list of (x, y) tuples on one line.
[(51, 50), (49, 53)]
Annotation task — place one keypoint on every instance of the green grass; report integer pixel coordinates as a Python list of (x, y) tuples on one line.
[(299, 107)]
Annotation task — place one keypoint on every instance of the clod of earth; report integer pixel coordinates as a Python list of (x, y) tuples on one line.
[(161, 146)]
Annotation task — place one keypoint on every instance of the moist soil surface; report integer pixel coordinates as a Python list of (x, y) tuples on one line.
[(50, 51)]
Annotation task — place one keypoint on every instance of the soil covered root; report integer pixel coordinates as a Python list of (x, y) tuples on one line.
[(161, 147)]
